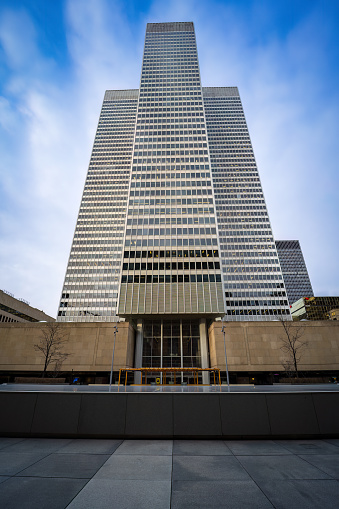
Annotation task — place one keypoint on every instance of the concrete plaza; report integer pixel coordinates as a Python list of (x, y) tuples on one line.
[(63, 473)]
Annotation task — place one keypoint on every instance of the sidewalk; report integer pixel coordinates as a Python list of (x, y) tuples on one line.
[(160, 474)]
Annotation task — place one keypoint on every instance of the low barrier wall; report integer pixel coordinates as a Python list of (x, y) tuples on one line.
[(175, 415)]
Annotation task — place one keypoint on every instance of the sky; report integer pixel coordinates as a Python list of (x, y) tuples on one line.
[(58, 57)]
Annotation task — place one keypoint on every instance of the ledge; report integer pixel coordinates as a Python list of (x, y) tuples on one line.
[(149, 415)]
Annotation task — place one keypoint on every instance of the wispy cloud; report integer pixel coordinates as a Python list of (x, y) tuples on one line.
[(50, 103)]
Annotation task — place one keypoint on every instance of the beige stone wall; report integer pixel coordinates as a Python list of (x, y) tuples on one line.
[(90, 346), (256, 346), (251, 346)]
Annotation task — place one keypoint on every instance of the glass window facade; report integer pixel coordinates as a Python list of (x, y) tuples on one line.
[(253, 282), (314, 308), (92, 282), (294, 270)]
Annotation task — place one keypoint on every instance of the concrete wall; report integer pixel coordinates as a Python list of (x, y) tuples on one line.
[(256, 346), (90, 346), (251, 346), (175, 415)]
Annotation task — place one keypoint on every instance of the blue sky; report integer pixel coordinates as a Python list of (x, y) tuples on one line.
[(58, 57)]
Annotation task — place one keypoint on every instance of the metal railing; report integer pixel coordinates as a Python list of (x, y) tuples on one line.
[(170, 371)]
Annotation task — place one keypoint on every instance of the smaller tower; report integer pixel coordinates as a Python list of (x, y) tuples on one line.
[(293, 266)]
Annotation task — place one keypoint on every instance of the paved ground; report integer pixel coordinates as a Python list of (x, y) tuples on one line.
[(158, 474), (169, 388)]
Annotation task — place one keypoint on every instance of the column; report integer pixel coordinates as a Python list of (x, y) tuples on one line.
[(204, 350), (138, 351)]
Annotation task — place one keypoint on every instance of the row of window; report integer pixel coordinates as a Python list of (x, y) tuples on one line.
[(249, 312), (262, 303), (98, 242), (168, 131), (175, 174), (174, 95), (173, 192), (80, 278), (262, 294), (4, 318), (173, 278), (242, 255), (201, 219), (132, 232), (171, 242), (189, 253), (172, 266), (172, 220), (252, 277), (91, 302), (88, 314), (99, 198), (251, 269), (90, 296), (167, 183), (251, 285), (89, 287), (243, 263)]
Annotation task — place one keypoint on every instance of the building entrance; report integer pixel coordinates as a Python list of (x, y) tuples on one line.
[(172, 344)]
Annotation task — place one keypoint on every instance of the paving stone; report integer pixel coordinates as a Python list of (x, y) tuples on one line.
[(80, 466), (280, 467), (89, 446), (218, 494), (302, 494), (153, 468), (309, 446), (327, 463), (104, 493), (255, 447), (208, 468), (46, 445), (7, 441), (33, 493), (333, 441), (12, 463), (151, 447), (200, 448)]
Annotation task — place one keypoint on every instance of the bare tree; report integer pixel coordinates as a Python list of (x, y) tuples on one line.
[(288, 367), (51, 344), (292, 344)]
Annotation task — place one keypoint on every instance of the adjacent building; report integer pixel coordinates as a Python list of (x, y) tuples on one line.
[(315, 308), (173, 229), (334, 314), (19, 310), (293, 266)]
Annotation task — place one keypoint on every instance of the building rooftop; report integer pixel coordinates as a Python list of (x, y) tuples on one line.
[(19, 310)]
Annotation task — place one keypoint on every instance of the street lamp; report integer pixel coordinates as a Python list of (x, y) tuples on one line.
[(111, 375), (223, 330)]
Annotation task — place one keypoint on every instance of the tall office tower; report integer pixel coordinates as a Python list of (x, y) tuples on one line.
[(293, 266), (173, 214), (92, 282), (253, 282)]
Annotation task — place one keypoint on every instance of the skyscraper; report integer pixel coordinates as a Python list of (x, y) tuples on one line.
[(173, 228), (293, 266)]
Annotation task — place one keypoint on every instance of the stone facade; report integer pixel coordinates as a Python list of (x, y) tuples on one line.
[(251, 347), (89, 346), (254, 347)]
